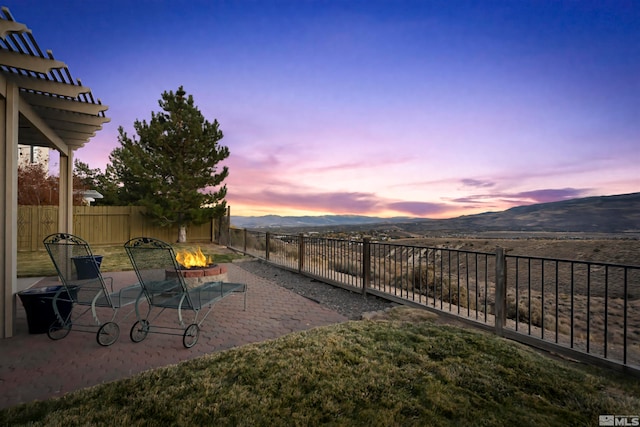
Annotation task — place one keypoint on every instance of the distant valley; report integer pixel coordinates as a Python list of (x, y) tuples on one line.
[(276, 221), (619, 214)]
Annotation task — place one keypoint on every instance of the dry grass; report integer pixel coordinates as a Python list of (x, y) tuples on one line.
[(406, 370), (33, 264), (621, 251)]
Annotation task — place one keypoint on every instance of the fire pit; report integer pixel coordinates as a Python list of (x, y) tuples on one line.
[(197, 269)]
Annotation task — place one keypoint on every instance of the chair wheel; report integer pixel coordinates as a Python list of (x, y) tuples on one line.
[(108, 334), (139, 330), (57, 331), (190, 337)]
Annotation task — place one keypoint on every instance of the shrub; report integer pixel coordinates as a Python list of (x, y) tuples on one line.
[(256, 243), (520, 311), (423, 280), (347, 267)]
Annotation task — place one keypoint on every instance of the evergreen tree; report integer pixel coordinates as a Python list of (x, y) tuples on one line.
[(171, 167), (94, 179)]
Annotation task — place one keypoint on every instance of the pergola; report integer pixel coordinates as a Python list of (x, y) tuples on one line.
[(40, 105)]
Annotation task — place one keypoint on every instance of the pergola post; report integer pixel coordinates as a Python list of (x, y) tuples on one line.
[(65, 206), (40, 105), (9, 199)]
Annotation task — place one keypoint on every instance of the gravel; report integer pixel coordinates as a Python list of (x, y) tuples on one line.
[(350, 304)]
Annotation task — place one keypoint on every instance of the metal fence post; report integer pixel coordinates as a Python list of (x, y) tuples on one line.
[(220, 228), (226, 230), (300, 252), (366, 264), (501, 291), (244, 238), (266, 249)]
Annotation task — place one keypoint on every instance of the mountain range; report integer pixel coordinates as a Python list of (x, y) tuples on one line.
[(277, 221), (600, 214)]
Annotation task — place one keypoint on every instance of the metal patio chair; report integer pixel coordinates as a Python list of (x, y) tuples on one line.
[(165, 288), (83, 285)]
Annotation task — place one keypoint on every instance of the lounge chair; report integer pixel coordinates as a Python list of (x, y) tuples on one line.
[(164, 287), (84, 285)]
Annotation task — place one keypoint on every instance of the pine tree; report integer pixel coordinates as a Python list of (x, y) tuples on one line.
[(171, 167), (94, 179)]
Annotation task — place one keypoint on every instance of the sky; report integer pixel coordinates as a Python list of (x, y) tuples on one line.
[(430, 109)]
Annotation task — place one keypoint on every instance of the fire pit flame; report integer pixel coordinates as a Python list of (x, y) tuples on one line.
[(189, 259)]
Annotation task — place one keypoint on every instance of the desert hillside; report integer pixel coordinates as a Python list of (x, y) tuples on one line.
[(617, 251)]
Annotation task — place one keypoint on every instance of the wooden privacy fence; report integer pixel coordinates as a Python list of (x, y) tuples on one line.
[(101, 225)]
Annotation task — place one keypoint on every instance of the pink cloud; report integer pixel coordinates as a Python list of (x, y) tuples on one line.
[(468, 182), (338, 202), (419, 209)]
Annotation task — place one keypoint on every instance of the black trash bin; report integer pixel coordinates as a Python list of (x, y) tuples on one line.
[(87, 266), (38, 304)]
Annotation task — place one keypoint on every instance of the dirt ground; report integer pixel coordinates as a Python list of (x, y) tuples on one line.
[(617, 251)]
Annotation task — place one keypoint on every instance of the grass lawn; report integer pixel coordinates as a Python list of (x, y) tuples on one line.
[(34, 264), (361, 373)]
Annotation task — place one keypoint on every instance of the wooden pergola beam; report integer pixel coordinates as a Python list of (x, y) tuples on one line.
[(49, 114), (64, 104), (47, 86), (43, 128), (7, 27), (30, 63)]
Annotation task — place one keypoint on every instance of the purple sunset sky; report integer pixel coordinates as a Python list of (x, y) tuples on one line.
[(388, 108)]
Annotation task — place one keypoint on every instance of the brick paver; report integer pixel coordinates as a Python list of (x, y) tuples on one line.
[(33, 367)]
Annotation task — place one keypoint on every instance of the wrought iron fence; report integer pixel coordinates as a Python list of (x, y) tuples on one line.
[(449, 280), (589, 309), (587, 306)]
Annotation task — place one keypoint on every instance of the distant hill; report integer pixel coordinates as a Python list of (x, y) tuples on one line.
[(277, 221), (602, 214)]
